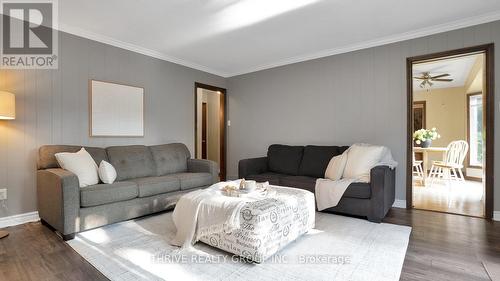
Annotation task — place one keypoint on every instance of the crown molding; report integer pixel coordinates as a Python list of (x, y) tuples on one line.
[(135, 48), (463, 23)]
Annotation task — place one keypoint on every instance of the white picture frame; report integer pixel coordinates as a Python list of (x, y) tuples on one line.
[(116, 110)]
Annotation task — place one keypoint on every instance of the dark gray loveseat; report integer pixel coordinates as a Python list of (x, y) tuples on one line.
[(149, 179), (300, 166)]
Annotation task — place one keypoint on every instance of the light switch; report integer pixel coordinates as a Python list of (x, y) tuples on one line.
[(229, 123)]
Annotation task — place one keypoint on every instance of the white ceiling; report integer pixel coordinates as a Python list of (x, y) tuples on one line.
[(458, 68), (231, 37)]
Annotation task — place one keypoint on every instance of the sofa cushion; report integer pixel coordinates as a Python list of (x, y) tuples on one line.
[(170, 158), (131, 162), (101, 194), (47, 159), (157, 185), (192, 180), (272, 178), (355, 190), (359, 190), (303, 182), (284, 159), (316, 159)]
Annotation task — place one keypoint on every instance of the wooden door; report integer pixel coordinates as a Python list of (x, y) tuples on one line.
[(204, 119)]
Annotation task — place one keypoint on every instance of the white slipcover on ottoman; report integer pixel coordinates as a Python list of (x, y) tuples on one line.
[(268, 225)]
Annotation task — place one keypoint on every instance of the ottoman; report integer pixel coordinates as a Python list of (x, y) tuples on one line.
[(268, 225)]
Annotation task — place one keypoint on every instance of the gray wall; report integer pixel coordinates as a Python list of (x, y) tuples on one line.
[(52, 108), (353, 97), (342, 99)]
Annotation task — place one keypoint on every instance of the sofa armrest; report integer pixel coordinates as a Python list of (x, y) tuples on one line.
[(204, 166), (58, 193), (253, 166), (383, 188)]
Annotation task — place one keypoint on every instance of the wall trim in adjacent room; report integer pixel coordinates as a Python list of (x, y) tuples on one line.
[(19, 219), (462, 23)]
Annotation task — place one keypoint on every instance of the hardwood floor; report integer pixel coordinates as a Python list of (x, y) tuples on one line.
[(442, 247), (466, 198), (447, 247), (34, 252)]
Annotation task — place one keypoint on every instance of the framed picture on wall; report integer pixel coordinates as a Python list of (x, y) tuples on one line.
[(419, 115), (116, 110)]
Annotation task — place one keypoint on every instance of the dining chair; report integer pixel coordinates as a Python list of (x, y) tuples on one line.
[(417, 169), (452, 164)]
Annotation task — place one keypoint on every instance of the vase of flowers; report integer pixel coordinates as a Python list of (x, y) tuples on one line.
[(424, 137)]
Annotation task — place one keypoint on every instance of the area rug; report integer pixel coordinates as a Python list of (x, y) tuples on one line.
[(339, 248)]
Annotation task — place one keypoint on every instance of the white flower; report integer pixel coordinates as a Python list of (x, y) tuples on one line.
[(417, 141)]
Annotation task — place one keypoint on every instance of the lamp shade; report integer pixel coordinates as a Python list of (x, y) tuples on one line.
[(7, 106)]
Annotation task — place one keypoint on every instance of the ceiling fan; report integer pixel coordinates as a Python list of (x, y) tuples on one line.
[(427, 79)]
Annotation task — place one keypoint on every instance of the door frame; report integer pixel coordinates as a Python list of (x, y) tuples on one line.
[(222, 124), (488, 50)]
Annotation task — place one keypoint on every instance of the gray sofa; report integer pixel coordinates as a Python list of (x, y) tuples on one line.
[(149, 179), (300, 166)]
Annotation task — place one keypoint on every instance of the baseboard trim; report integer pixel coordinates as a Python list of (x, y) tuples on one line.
[(19, 219), (496, 215), (399, 204)]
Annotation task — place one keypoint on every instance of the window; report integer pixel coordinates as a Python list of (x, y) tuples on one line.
[(475, 126)]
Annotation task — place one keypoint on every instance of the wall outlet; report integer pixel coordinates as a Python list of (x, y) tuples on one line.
[(229, 123), (3, 194)]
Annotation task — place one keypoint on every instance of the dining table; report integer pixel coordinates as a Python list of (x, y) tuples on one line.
[(425, 151)]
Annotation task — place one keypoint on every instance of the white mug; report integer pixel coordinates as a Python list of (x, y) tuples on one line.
[(250, 185)]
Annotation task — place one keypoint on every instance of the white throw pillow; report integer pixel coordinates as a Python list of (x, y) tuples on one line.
[(107, 172), (81, 164), (336, 166), (361, 158)]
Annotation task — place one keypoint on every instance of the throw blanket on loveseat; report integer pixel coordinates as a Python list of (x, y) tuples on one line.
[(357, 162)]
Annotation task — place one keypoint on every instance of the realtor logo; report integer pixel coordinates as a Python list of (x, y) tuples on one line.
[(29, 34)]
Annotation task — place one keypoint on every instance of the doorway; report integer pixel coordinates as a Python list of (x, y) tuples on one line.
[(450, 132), (210, 120)]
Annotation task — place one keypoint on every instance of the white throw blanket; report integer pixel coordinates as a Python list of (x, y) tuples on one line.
[(329, 192), (207, 211)]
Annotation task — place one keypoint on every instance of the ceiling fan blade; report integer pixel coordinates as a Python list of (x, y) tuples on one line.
[(442, 80), (440, 75), (419, 78)]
